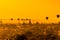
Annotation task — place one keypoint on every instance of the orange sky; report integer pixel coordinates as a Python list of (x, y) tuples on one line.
[(34, 9)]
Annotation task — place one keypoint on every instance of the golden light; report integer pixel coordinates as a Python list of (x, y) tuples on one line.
[(34, 9)]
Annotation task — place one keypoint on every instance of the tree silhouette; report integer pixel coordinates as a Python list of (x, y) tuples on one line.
[(47, 18), (18, 19), (37, 23), (11, 19), (27, 19), (23, 21), (58, 16)]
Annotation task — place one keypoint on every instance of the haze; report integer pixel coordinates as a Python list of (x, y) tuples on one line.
[(33, 9)]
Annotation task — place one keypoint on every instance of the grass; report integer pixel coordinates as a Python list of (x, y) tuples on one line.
[(7, 32)]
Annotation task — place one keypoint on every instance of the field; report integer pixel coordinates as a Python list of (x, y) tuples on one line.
[(31, 31)]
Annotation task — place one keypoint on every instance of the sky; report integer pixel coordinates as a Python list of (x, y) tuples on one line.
[(31, 9)]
